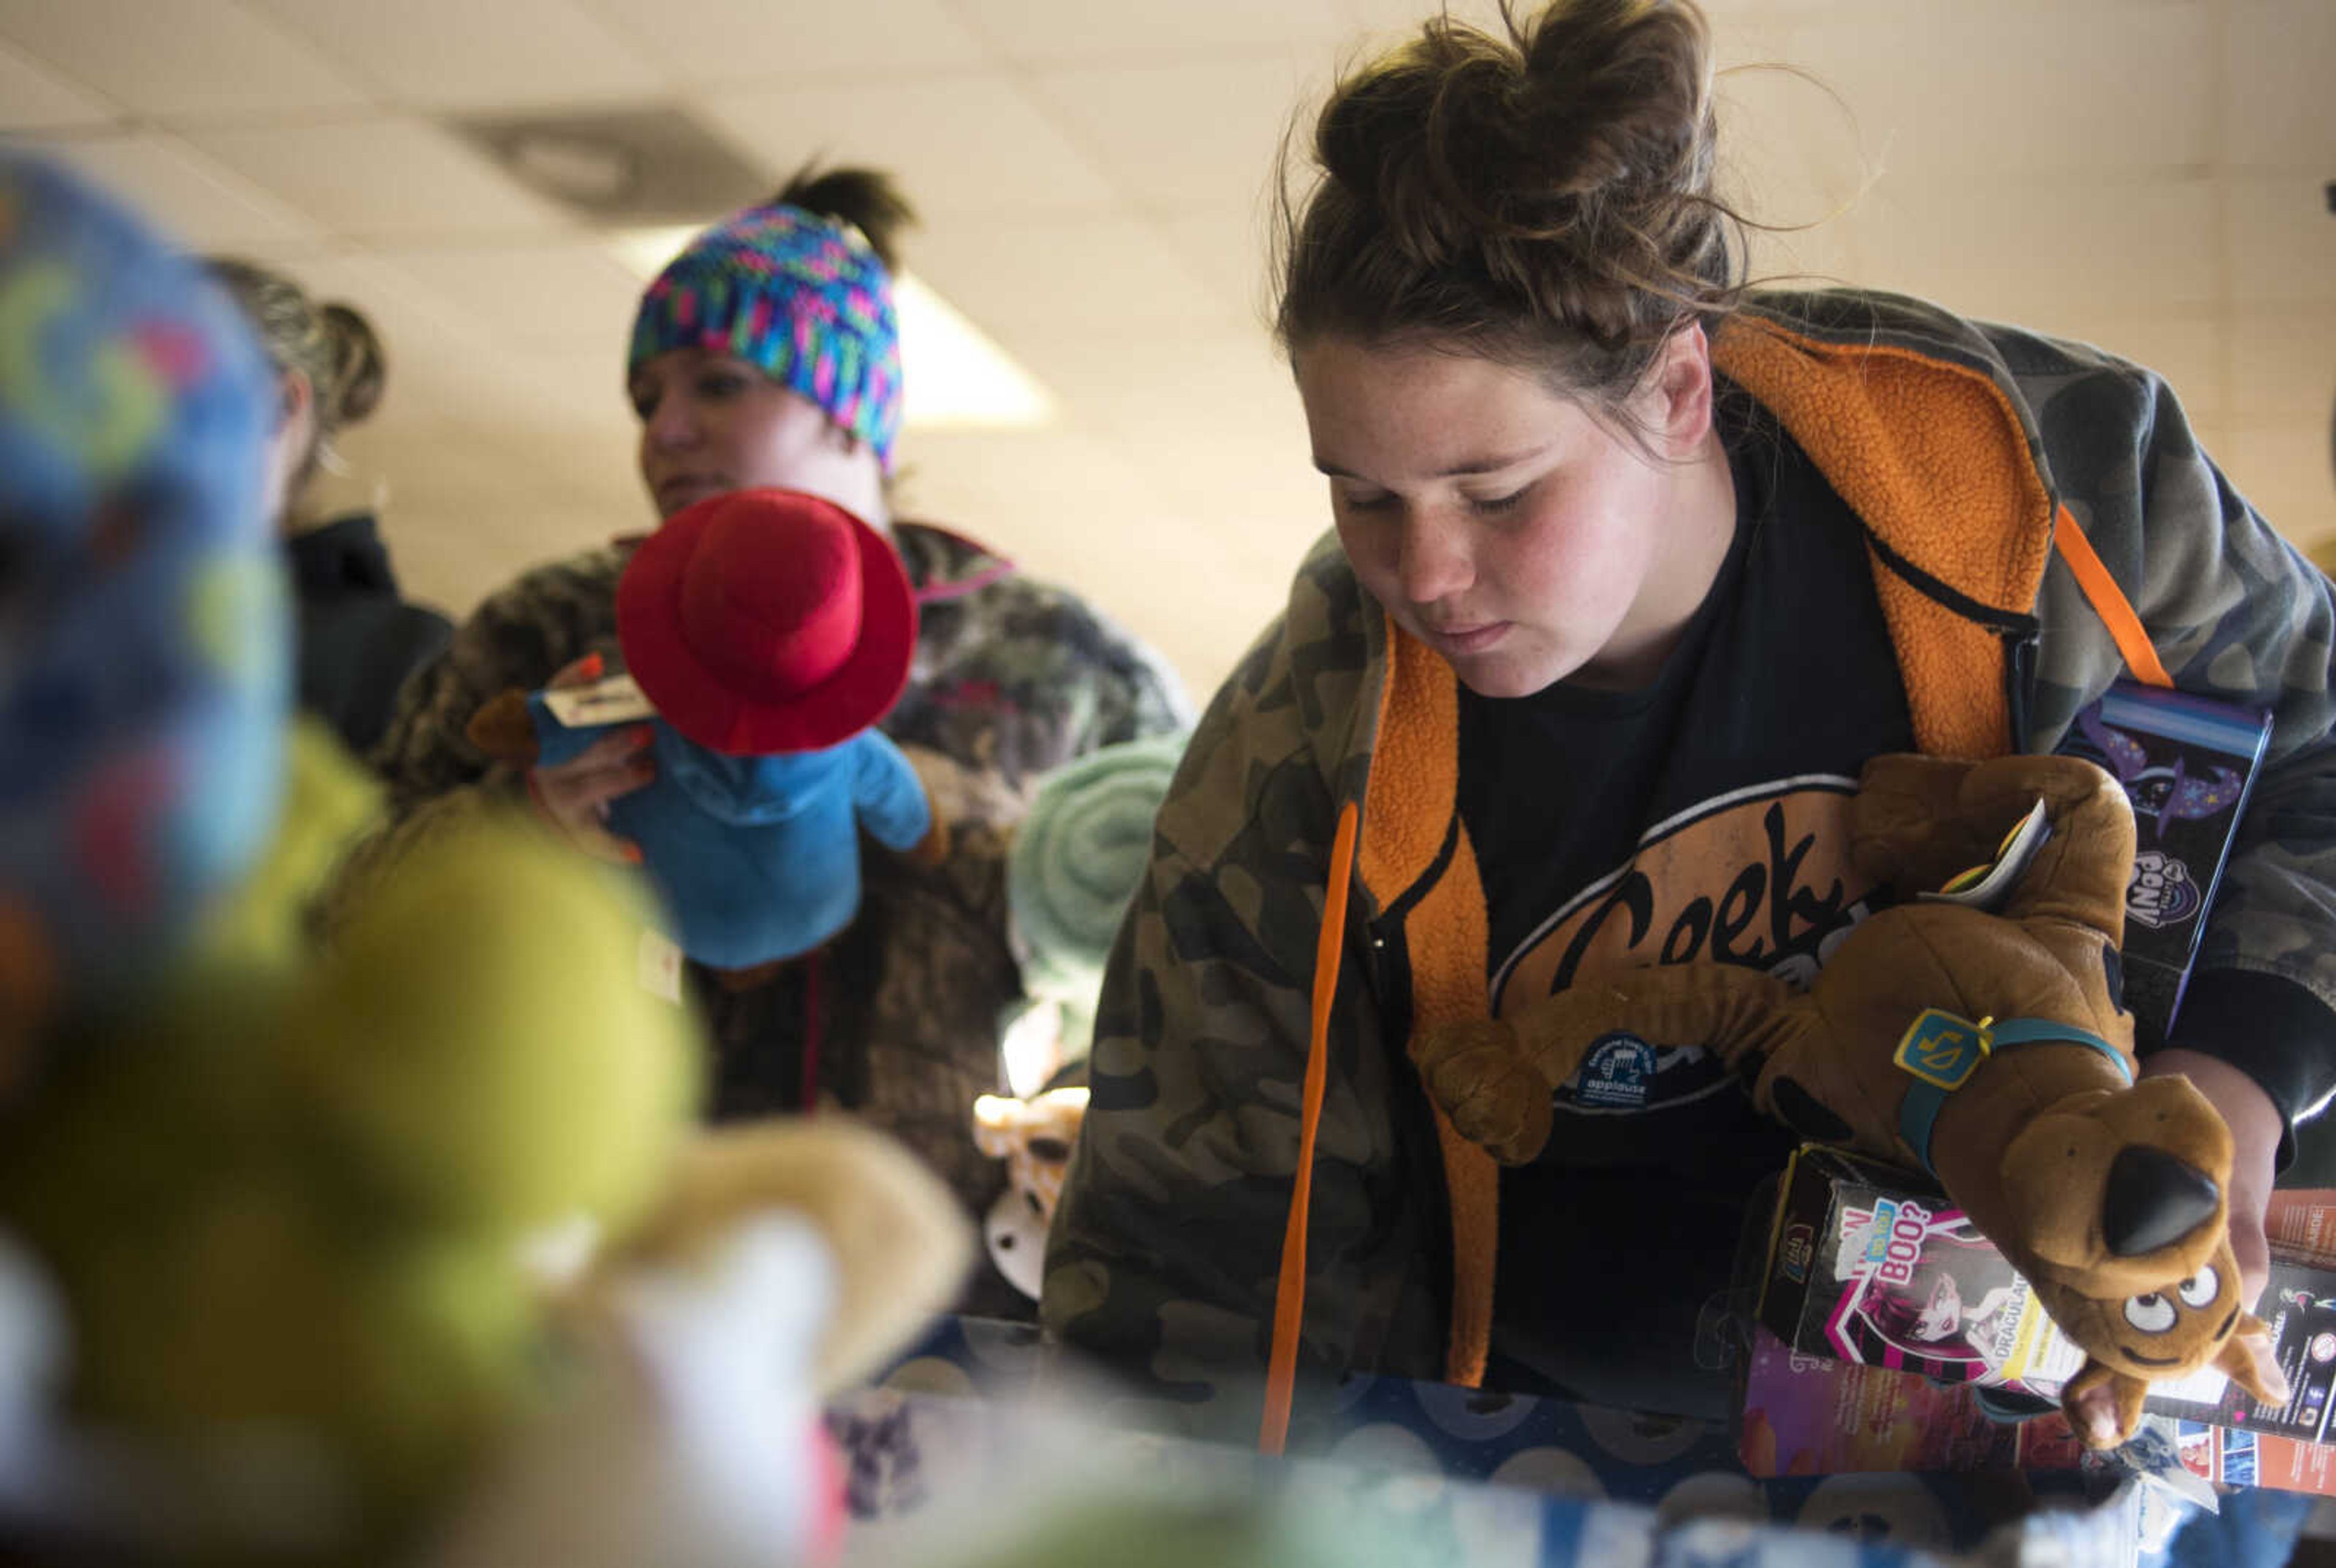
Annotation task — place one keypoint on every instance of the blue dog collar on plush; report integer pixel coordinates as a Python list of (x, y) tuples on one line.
[(1941, 1051)]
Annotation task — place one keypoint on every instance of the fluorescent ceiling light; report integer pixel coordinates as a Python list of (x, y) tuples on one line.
[(644, 251), (958, 377)]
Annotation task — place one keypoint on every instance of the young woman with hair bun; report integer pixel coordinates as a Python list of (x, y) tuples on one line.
[(1633, 567), (358, 637)]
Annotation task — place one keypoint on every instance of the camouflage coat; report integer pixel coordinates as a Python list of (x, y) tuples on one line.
[(1013, 678), (1960, 447)]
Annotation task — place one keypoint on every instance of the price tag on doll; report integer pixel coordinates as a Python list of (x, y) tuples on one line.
[(616, 700), (660, 966)]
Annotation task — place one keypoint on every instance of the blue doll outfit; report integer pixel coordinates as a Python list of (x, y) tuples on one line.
[(757, 857)]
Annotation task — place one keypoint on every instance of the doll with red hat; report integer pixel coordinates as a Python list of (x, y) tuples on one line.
[(764, 631)]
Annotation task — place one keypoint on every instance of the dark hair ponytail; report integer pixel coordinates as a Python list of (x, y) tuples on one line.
[(1543, 196), (866, 198)]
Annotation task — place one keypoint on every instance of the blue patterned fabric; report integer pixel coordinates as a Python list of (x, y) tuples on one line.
[(1437, 1474), (144, 661), (2251, 1529)]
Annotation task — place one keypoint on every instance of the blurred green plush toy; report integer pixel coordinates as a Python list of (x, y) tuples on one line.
[(273, 1196), (284, 1202), (274, 1207)]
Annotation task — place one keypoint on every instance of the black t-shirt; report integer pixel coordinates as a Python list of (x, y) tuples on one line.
[(1701, 818)]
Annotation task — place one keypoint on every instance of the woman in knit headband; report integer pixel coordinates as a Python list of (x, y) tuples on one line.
[(767, 354)]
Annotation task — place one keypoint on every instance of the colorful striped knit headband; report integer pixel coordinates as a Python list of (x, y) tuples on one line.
[(800, 297)]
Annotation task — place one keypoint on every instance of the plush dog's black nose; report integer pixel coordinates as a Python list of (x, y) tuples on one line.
[(2153, 1200)]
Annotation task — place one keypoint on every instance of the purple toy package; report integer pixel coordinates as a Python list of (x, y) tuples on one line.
[(2186, 763)]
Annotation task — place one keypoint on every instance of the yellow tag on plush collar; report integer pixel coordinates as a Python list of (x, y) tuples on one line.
[(1943, 1050)]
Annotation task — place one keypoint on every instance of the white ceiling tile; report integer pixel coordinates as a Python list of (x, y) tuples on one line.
[(966, 144), (382, 177), (1230, 248), (2283, 240), (1199, 612), (1159, 382), (1014, 490), (535, 297), (530, 490), (590, 383), (1096, 275), (2281, 86), (1064, 30), (443, 362), (422, 332), (1389, 21), (1070, 509), (2285, 471), (460, 54), (449, 352), (2283, 369), (1212, 423), (468, 511), (983, 481), (717, 42), (1183, 135), (1740, 29), (33, 98), (194, 58), (1191, 585), (1980, 89), (200, 204), (2034, 251)]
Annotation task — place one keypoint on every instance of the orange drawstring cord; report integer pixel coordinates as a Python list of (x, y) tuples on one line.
[(2109, 602), (1289, 1295)]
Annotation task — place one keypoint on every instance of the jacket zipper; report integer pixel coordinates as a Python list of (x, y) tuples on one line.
[(2019, 633)]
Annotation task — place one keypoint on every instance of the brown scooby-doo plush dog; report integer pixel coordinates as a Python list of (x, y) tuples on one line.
[(1989, 1047)]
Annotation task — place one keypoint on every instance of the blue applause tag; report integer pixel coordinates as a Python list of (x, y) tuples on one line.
[(1942, 1050), (1618, 1075)]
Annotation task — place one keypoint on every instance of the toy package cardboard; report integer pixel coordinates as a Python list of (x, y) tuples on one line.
[(1867, 1265), (1803, 1415), (2187, 764)]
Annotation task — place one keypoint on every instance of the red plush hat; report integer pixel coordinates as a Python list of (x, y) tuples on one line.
[(767, 621)]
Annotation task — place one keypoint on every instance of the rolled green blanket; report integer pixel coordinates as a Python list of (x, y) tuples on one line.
[(1077, 859)]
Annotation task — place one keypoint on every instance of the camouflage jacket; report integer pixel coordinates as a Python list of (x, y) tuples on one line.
[(1959, 446), (1013, 678)]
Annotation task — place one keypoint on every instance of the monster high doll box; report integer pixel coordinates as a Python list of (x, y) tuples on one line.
[(2186, 763), (1866, 1266), (1869, 1266)]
